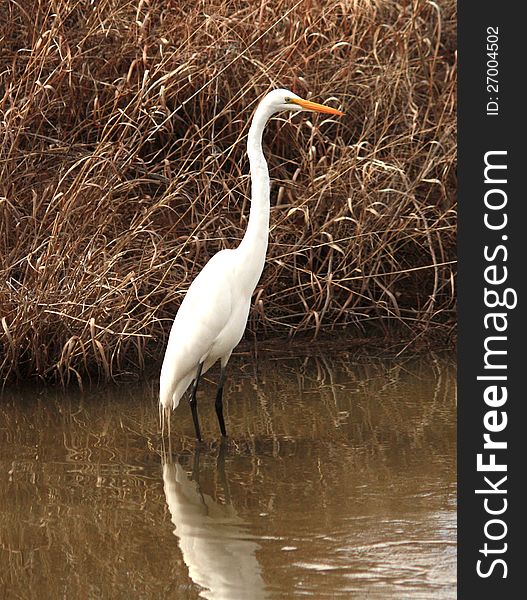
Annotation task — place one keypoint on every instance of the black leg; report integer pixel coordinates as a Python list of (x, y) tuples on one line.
[(194, 403), (219, 403)]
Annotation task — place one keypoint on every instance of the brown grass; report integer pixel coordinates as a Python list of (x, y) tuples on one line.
[(123, 169)]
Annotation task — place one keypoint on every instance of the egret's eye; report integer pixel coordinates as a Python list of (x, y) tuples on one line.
[(287, 99)]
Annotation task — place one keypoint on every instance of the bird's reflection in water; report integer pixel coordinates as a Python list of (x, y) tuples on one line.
[(219, 554)]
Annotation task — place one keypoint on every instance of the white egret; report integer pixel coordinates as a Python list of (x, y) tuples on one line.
[(212, 317)]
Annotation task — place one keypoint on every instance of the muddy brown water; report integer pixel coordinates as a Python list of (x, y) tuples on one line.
[(337, 481)]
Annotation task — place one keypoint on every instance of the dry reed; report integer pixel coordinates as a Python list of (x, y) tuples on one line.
[(123, 169)]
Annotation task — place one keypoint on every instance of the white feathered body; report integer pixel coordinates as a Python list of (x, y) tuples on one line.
[(213, 315), (208, 326)]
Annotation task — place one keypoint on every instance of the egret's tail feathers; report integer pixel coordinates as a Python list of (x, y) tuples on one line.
[(164, 416), (171, 391), (166, 405)]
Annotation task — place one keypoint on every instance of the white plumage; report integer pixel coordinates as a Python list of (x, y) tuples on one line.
[(212, 317)]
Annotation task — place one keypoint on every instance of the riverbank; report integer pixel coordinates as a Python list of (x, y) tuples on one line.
[(123, 169)]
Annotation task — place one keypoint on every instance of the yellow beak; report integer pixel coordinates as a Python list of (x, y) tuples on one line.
[(314, 106)]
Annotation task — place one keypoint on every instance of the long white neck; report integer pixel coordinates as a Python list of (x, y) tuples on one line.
[(253, 246)]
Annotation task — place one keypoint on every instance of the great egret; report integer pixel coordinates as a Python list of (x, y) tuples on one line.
[(212, 317)]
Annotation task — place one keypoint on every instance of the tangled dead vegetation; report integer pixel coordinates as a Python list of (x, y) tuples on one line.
[(123, 169)]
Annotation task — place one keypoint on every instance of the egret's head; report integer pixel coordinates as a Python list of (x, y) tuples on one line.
[(279, 100)]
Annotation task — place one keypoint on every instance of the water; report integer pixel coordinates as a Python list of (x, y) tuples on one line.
[(338, 481)]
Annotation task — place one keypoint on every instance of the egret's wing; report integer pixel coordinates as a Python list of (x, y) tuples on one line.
[(203, 314)]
